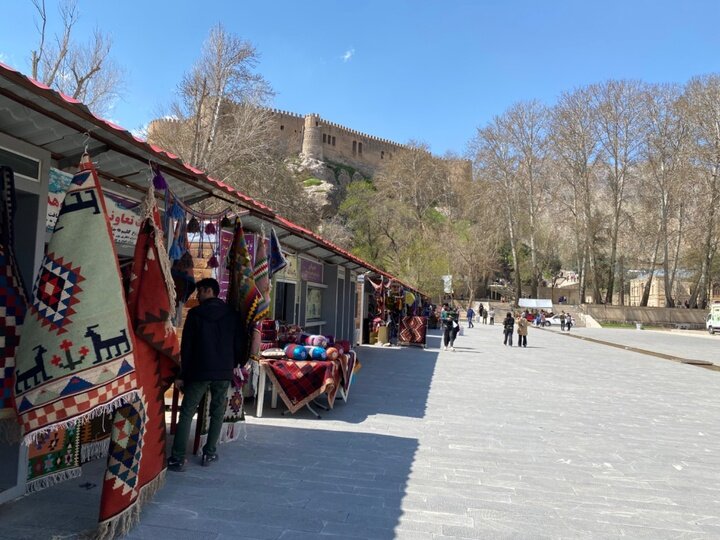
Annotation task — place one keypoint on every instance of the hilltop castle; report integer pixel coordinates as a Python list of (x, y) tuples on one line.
[(319, 139), (315, 138)]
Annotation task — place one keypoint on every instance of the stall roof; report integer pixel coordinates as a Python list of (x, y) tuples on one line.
[(63, 126)]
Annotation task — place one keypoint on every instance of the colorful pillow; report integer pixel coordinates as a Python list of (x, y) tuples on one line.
[(316, 340), (316, 353), (296, 352)]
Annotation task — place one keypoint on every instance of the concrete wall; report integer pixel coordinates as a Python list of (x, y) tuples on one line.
[(646, 315)]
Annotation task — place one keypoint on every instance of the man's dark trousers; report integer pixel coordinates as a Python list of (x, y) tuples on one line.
[(193, 394)]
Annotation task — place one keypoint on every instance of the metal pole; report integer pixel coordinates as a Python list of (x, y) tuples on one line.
[(362, 307)]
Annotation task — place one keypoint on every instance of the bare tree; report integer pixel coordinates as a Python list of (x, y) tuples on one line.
[(526, 126), (664, 152), (577, 147), (86, 71), (620, 118), (703, 96), (496, 163)]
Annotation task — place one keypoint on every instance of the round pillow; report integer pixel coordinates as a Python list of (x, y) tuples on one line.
[(316, 340), (316, 353), (296, 352), (332, 353)]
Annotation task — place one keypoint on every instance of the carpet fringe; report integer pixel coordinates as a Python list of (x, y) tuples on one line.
[(31, 438), (50, 480), (94, 450), (9, 431), (121, 524)]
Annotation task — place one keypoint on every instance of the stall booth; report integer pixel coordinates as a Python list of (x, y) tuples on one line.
[(44, 136)]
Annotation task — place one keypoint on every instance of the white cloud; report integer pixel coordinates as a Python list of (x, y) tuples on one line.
[(348, 55)]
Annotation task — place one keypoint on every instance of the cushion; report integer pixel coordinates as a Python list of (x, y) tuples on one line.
[(273, 353), (296, 352), (316, 353)]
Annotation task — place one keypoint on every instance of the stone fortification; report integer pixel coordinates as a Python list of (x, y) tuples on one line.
[(320, 140)]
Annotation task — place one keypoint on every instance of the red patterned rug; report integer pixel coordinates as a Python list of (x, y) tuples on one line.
[(136, 461), (413, 330), (299, 382), (13, 302)]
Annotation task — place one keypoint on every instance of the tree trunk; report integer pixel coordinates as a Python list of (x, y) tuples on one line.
[(646, 291), (622, 280)]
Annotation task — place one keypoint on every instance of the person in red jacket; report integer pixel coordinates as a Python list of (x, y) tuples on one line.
[(212, 344)]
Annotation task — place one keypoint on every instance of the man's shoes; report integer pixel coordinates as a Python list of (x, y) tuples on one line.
[(176, 465), (452, 349), (207, 459), (445, 348)]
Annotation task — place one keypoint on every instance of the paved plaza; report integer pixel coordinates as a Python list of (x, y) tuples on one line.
[(565, 439)]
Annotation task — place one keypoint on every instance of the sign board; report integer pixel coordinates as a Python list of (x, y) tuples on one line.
[(361, 278), (311, 271), (123, 213), (290, 272)]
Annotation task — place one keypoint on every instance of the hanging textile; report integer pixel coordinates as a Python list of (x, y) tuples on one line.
[(53, 457), (244, 294), (76, 357), (276, 260), (136, 463), (13, 302), (95, 438), (260, 271)]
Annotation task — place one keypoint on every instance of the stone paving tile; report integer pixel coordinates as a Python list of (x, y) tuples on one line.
[(566, 440)]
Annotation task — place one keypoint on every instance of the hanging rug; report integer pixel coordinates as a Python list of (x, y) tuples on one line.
[(75, 360)]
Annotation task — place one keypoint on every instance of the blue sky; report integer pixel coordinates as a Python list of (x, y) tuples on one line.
[(431, 71)]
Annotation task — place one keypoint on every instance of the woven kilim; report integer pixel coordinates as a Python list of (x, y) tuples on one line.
[(233, 418), (150, 303), (413, 330), (53, 457), (13, 302), (75, 360), (243, 293), (299, 382), (260, 271), (95, 438)]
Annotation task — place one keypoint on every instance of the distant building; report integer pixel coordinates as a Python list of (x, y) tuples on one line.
[(680, 293)]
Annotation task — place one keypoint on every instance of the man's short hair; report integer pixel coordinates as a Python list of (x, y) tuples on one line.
[(209, 283)]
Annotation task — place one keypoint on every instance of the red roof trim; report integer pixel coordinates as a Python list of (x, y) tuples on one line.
[(77, 107)]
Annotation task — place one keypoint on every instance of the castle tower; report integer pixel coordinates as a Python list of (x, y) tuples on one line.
[(312, 137)]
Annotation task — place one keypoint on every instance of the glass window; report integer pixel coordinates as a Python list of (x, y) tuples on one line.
[(313, 307)]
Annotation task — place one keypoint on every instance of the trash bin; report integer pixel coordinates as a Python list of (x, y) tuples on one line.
[(383, 334), (638, 326)]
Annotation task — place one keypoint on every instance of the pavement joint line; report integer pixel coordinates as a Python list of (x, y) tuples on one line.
[(699, 363)]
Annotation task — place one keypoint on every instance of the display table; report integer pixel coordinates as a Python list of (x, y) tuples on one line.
[(299, 382)]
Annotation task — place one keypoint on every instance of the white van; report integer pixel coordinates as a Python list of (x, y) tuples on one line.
[(712, 321)]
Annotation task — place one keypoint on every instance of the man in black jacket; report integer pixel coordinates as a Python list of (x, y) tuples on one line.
[(212, 342)]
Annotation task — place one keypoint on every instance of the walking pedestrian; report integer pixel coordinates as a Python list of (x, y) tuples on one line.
[(508, 325), (568, 321), (562, 321), (470, 314), (482, 314), (522, 330), (491, 314), (451, 327), (211, 346)]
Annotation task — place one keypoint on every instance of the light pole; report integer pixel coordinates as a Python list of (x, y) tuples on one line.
[(361, 281)]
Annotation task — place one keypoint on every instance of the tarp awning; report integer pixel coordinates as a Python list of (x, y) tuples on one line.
[(535, 303)]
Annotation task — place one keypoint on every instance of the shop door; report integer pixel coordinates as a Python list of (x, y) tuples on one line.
[(285, 302)]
